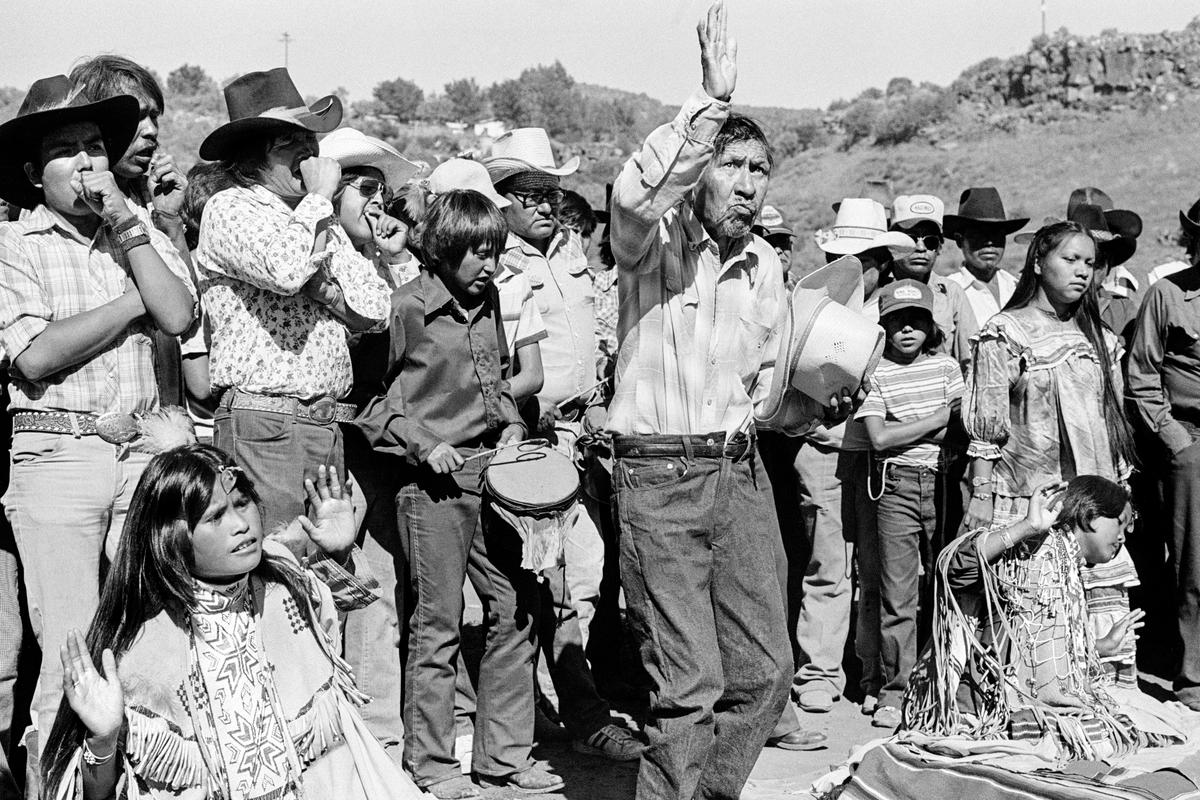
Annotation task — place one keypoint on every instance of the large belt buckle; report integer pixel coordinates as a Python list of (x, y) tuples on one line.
[(323, 411), (116, 427)]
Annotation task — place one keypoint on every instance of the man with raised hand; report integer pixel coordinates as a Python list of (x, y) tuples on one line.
[(700, 544)]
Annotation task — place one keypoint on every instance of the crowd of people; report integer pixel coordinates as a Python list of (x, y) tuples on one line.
[(271, 419)]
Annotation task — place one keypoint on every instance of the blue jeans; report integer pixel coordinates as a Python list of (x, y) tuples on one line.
[(908, 524), (700, 550), (448, 534)]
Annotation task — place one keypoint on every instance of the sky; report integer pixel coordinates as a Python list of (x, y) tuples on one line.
[(792, 53)]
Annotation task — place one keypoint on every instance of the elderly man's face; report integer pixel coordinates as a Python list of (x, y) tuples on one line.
[(281, 174), (530, 215), (732, 189)]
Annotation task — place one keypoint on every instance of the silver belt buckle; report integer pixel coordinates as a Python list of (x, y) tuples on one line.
[(323, 410), (116, 427)]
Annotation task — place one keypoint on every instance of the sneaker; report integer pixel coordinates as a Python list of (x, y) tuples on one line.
[(815, 701), (799, 739), (869, 704), (886, 717), (534, 780), (612, 742)]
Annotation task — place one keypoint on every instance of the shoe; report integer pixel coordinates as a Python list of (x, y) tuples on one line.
[(533, 780), (886, 717), (799, 739), (815, 701), (612, 742), (869, 704), (457, 788)]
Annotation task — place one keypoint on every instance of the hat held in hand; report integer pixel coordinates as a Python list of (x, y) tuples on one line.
[(265, 101), (827, 348)]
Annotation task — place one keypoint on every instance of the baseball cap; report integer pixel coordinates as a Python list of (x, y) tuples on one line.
[(771, 223), (463, 173), (909, 209), (906, 293)]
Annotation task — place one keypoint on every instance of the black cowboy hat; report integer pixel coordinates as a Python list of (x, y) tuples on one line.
[(263, 101), (1116, 248), (52, 103), (980, 207), (1190, 220), (1120, 221)]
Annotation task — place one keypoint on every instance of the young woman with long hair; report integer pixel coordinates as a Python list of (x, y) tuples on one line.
[(1043, 402), (221, 674)]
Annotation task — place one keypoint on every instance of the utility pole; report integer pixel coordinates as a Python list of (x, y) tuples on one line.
[(287, 37), (1043, 18)]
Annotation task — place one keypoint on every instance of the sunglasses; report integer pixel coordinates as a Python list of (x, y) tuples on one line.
[(369, 187), (930, 242), (535, 199)]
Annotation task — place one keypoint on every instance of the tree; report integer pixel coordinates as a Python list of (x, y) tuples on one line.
[(899, 86), (190, 88), (465, 98), (543, 97), (400, 97), (508, 101)]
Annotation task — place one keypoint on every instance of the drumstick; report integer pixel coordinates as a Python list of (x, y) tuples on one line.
[(578, 395), (495, 450)]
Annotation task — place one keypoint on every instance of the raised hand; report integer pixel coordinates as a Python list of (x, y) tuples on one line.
[(390, 234), (166, 183), (718, 53), (321, 176), (334, 528), (1044, 506), (99, 190), (97, 699), (1110, 643)]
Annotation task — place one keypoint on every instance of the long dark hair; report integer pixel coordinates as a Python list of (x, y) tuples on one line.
[(152, 572), (1086, 314), (1089, 497)]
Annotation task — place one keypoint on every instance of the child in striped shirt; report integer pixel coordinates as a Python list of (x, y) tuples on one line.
[(913, 403)]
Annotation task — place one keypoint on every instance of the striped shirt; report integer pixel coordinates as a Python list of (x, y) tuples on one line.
[(697, 334), (909, 392), (48, 273)]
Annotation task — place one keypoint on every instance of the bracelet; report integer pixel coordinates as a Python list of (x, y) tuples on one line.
[(976, 482), (1009, 544), (92, 760), (129, 224), (136, 241), (131, 236), (981, 495)]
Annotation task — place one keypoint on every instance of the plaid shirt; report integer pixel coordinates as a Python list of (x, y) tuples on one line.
[(697, 335), (562, 287), (48, 273), (604, 285), (255, 255)]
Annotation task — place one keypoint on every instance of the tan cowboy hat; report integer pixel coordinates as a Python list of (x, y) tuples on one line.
[(826, 348), (525, 150), (353, 148), (861, 225), (261, 101), (52, 103)]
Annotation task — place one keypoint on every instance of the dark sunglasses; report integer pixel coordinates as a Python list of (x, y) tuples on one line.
[(535, 199), (930, 242), (369, 187)]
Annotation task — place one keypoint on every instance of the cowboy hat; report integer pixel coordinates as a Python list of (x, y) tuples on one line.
[(1117, 248), (525, 150), (353, 148), (52, 103), (1190, 220), (877, 189), (1120, 221), (827, 348), (771, 223), (980, 207), (861, 225), (463, 173), (264, 101)]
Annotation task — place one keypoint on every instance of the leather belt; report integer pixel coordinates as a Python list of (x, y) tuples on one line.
[(323, 410), (709, 445), (114, 428)]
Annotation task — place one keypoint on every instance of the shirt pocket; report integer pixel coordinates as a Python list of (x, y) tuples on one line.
[(754, 337)]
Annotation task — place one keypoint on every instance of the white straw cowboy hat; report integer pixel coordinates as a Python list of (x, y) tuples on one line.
[(353, 148), (861, 225), (263, 101), (525, 150), (827, 348), (463, 173)]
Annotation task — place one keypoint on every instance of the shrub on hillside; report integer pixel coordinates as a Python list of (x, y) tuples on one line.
[(858, 120), (806, 132), (903, 118)]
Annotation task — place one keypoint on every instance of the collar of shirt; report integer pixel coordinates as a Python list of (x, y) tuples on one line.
[(44, 218), (1120, 282), (437, 297), (558, 241), (698, 241)]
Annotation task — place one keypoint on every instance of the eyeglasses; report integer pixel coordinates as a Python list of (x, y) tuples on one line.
[(930, 242), (535, 199), (369, 187)]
